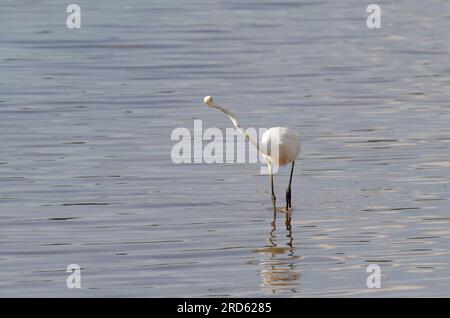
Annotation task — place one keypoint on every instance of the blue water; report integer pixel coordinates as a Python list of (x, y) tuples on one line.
[(86, 175)]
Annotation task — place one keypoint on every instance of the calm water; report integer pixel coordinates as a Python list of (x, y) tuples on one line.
[(86, 175)]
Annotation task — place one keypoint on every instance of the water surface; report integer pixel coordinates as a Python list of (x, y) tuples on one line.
[(86, 175)]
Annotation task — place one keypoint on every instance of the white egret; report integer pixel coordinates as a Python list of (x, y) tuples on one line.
[(279, 146)]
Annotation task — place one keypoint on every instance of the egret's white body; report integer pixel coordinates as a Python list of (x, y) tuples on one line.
[(286, 140), (279, 146)]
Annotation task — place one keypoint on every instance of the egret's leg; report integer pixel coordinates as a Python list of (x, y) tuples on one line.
[(273, 192), (288, 191)]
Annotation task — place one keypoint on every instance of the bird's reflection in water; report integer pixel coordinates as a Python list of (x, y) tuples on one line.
[(279, 273)]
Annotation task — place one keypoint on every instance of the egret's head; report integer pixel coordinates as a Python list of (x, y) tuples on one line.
[(208, 100)]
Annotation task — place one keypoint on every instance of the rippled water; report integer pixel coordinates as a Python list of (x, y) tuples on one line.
[(85, 169)]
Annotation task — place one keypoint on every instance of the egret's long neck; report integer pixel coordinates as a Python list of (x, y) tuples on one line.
[(237, 124)]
